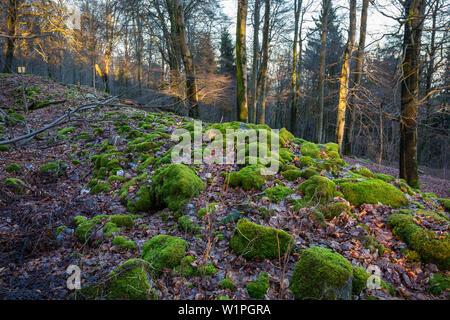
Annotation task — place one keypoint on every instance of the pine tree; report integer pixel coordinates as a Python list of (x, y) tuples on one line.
[(226, 61)]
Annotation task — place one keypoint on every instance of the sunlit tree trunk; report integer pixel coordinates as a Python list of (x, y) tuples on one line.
[(188, 61), (345, 75), (264, 63), (294, 84), (256, 22), (241, 61), (414, 11), (348, 144), (325, 9), (10, 42)]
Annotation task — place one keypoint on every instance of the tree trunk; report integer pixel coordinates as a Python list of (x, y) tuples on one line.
[(294, 85), (345, 75), (256, 22), (348, 145), (325, 8), (188, 61), (414, 11), (265, 60), (241, 62), (10, 42)]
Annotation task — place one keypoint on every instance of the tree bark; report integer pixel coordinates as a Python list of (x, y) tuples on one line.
[(325, 9), (294, 85), (188, 61), (265, 60), (349, 136), (11, 42), (414, 12), (256, 23), (241, 62), (345, 75)]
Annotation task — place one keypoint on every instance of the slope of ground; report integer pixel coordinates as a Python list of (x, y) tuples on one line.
[(106, 162)]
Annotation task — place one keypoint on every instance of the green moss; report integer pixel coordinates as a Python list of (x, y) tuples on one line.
[(445, 204), (258, 288), (173, 186), (188, 225), (333, 210), (207, 270), (278, 193), (210, 208), (363, 171), (322, 274), (439, 283), (4, 148), (84, 230), (227, 284), (309, 172), (185, 269), (285, 155), (307, 161), (223, 298), (430, 248), (141, 202), (412, 255), (109, 229), (13, 167), (114, 178), (310, 149), (318, 189), (384, 177), (79, 220), (16, 185), (60, 229), (164, 251), (124, 243), (248, 178), (360, 277), (373, 192), (291, 174), (371, 243), (286, 135), (101, 187), (66, 130), (252, 240), (131, 281), (122, 220), (84, 136), (56, 168)]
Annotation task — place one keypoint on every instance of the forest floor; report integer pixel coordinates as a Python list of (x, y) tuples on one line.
[(34, 256)]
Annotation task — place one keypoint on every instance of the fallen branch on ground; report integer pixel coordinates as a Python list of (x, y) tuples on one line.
[(57, 121)]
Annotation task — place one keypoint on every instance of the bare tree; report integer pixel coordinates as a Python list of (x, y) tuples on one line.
[(241, 61)]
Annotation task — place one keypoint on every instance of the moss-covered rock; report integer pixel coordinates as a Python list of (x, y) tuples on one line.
[(291, 174), (426, 243), (333, 210), (124, 243), (307, 161), (384, 177), (252, 240), (372, 192), (141, 202), (310, 149), (131, 281), (309, 172), (318, 189), (173, 186), (360, 278), (286, 135), (445, 204), (164, 251), (258, 288), (278, 193), (56, 168), (322, 274), (248, 178), (122, 220), (207, 270)]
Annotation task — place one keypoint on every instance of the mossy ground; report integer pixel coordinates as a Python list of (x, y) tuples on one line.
[(252, 240)]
